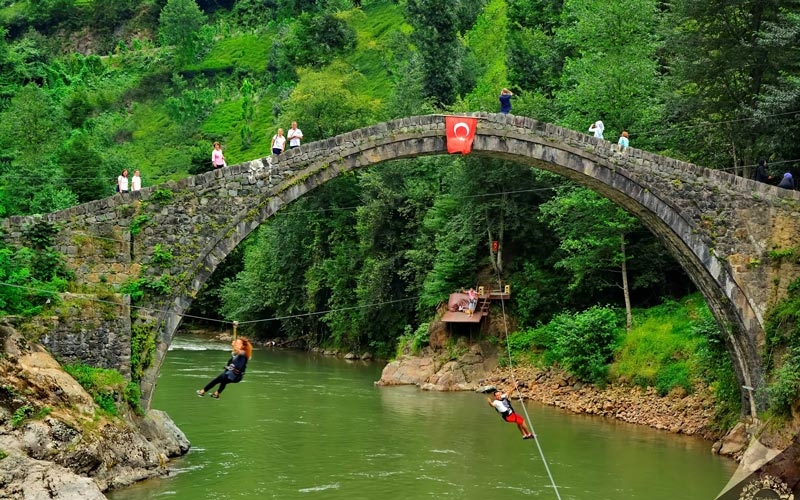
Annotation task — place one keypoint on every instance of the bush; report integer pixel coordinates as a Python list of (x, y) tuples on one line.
[(106, 387), (585, 342), (416, 340), (785, 388)]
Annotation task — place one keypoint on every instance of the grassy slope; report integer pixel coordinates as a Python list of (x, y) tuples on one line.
[(158, 149), (373, 27)]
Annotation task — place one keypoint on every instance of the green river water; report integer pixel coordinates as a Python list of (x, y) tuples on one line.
[(310, 427)]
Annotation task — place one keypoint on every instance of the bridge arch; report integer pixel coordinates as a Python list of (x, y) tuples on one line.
[(712, 222)]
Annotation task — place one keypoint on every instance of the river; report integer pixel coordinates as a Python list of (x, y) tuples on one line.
[(312, 427)]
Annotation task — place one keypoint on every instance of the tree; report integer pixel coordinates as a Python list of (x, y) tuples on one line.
[(436, 31), (83, 168), (535, 58), (179, 24), (611, 70), (326, 102), (246, 131), (724, 58), (593, 234)]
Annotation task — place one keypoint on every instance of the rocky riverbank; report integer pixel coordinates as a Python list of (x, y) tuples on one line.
[(477, 368), (55, 443)]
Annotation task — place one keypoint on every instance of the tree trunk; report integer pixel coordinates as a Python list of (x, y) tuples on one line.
[(626, 292)]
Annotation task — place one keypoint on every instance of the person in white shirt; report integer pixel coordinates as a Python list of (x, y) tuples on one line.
[(136, 181), (598, 128), (503, 407), (295, 135), (278, 142), (122, 182)]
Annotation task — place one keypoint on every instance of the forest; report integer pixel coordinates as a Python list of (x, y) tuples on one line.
[(91, 87)]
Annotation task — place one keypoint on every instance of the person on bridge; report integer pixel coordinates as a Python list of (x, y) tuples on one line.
[(505, 101), (217, 158), (295, 135), (278, 142), (136, 181), (122, 181), (503, 407), (761, 171), (234, 370), (597, 128), (787, 182), (623, 142)]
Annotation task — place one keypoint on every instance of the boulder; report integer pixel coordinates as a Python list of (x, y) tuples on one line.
[(408, 370), (735, 441)]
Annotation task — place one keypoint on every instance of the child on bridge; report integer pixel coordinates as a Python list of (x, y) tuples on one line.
[(234, 370)]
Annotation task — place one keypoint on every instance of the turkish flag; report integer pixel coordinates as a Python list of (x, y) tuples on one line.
[(460, 133)]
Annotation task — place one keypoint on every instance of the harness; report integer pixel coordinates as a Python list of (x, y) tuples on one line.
[(510, 411)]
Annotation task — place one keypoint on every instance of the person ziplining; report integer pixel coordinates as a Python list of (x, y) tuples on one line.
[(234, 369), (504, 408)]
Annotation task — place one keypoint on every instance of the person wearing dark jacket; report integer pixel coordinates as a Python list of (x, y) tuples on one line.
[(787, 182), (234, 370), (761, 171)]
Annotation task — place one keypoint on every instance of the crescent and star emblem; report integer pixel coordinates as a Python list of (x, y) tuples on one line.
[(458, 126)]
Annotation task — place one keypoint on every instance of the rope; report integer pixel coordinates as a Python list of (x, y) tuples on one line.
[(519, 394)]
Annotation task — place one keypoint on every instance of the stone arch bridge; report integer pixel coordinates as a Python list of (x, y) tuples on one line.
[(726, 231)]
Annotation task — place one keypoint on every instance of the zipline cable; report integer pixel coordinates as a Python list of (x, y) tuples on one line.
[(516, 387), (217, 320)]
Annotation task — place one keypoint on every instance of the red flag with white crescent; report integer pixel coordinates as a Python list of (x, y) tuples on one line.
[(460, 133)]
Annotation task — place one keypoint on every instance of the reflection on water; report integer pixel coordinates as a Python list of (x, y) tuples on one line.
[(306, 426)]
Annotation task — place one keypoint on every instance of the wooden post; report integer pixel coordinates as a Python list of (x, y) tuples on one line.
[(235, 324)]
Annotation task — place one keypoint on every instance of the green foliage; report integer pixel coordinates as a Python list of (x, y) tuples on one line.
[(107, 387), (189, 107), (591, 230), (611, 68), (137, 288), (34, 275), (436, 31), (3, 454), (782, 354), (161, 196), (314, 39), (162, 257), (784, 390), (20, 415), (180, 24), (143, 348), (327, 102), (138, 224), (585, 342), (133, 396), (414, 340)]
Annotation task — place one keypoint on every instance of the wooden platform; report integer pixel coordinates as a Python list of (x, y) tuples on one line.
[(460, 317)]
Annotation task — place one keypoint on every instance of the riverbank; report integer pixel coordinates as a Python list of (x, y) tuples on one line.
[(478, 367), (56, 443), (677, 412)]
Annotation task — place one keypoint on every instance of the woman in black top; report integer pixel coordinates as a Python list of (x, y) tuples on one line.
[(234, 370)]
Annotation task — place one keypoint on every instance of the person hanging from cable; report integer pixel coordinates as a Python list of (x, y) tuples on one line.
[(234, 370), (503, 407)]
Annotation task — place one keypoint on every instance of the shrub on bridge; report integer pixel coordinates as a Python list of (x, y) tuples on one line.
[(143, 348)]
